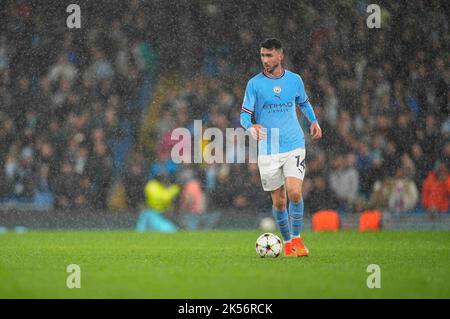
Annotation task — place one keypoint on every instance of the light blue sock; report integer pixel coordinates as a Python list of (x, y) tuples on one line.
[(296, 215), (281, 217)]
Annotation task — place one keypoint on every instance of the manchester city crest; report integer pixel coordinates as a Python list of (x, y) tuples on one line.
[(277, 89)]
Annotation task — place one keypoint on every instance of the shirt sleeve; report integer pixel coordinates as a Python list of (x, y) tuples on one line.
[(248, 106), (302, 101)]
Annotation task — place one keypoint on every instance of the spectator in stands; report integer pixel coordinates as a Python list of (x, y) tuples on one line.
[(364, 165), (430, 138), (83, 193), (320, 196), (257, 201), (436, 189), (99, 169), (160, 194), (421, 164), (8, 134), (25, 178), (390, 159), (403, 134), (222, 194), (194, 212), (43, 195), (64, 186), (164, 164), (379, 198), (344, 181), (62, 69), (402, 192)]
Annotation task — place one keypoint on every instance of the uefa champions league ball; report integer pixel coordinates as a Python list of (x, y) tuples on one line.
[(268, 245)]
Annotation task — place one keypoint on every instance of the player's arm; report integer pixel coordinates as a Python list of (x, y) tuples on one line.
[(314, 128), (302, 101), (247, 110)]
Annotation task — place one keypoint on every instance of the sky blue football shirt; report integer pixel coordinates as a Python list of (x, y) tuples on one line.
[(273, 102)]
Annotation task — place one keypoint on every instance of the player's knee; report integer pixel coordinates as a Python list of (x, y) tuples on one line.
[(295, 196)]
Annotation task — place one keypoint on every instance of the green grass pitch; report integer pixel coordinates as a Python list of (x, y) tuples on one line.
[(222, 264)]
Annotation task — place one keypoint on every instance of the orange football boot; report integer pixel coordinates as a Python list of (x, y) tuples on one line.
[(298, 248), (288, 250)]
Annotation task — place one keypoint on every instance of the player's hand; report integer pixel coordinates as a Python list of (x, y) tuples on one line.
[(315, 131), (258, 132)]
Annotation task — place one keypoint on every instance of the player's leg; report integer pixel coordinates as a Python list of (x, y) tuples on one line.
[(296, 206), (294, 170), (294, 189), (280, 213), (272, 179)]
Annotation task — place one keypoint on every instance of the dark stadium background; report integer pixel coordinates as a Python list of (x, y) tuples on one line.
[(84, 113)]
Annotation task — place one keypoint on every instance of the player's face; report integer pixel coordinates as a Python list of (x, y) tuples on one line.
[(271, 59)]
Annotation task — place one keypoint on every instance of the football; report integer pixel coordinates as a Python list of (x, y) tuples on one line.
[(268, 245)]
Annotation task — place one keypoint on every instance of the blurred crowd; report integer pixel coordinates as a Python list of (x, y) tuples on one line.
[(64, 95), (381, 97)]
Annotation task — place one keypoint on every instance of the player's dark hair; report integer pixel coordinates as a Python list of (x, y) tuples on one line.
[(271, 43)]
